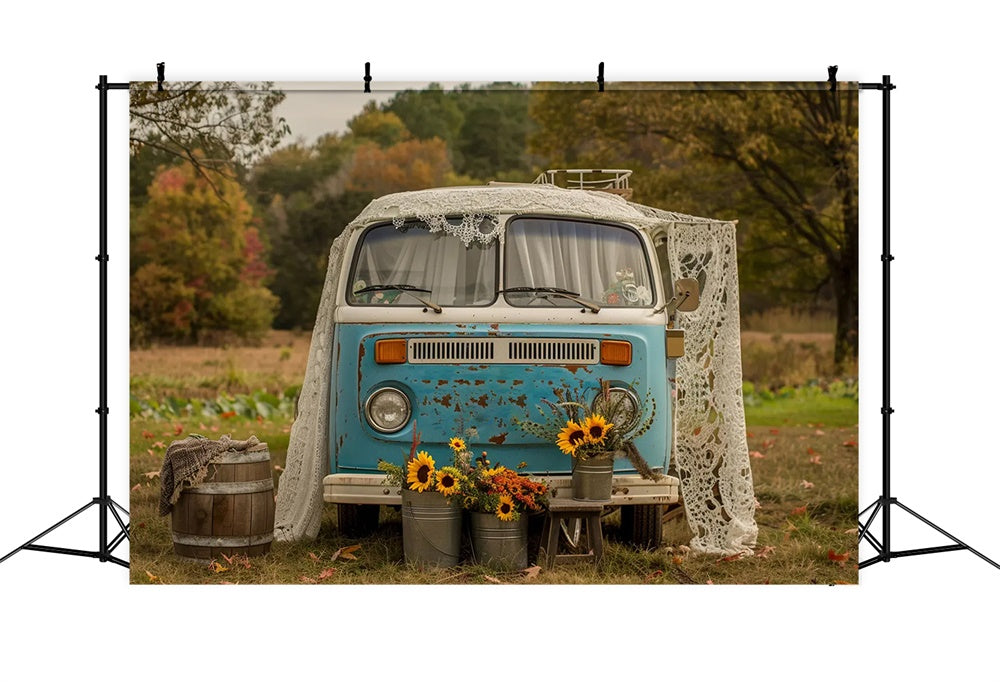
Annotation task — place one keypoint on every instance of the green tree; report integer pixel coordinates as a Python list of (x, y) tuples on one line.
[(198, 262), (782, 161)]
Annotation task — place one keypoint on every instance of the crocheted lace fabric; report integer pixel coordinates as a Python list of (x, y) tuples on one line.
[(710, 433)]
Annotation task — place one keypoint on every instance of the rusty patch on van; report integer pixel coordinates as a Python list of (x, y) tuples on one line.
[(499, 438)]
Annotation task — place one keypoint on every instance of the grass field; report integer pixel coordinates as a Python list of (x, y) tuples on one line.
[(803, 456)]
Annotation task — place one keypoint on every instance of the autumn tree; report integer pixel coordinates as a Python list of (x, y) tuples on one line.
[(783, 161), (199, 264), (485, 128)]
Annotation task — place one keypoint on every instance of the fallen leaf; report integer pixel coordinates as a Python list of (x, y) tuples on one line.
[(278, 467), (677, 560), (851, 443), (287, 429), (314, 557), (653, 576), (159, 444), (683, 549), (151, 474), (765, 551), (531, 572), (815, 459), (806, 484), (307, 579), (228, 559), (228, 415), (178, 429), (820, 432), (326, 573), (756, 503), (838, 558), (225, 582), (493, 580), (348, 552), (136, 487), (217, 567), (260, 419), (147, 434), (757, 454), (152, 578), (709, 582), (214, 428), (202, 427), (810, 451), (749, 434), (766, 443), (799, 510), (774, 432), (731, 557)]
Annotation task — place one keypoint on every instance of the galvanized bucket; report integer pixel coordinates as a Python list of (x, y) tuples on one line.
[(502, 544), (432, 529), (592, 478)]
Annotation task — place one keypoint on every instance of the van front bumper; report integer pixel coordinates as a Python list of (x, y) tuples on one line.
[(626, 489)]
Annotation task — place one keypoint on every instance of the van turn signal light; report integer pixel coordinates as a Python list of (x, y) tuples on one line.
[(390, 351), (616, 353)]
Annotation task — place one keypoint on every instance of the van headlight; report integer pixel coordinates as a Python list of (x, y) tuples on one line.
[(621, 406), (387, 410)]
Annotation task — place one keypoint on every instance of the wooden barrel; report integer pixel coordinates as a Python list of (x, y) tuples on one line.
[(230, 512)]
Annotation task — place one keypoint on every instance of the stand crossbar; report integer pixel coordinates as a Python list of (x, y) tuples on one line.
[(885, 502), (103, 501)]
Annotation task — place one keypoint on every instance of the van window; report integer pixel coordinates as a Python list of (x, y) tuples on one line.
[(603, 263), (453, 274)]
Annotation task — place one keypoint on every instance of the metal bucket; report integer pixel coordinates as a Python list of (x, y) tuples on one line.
[(432, 529), (499, 543), (592, 478)]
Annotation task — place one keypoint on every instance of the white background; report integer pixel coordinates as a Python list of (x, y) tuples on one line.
[(920, 617)]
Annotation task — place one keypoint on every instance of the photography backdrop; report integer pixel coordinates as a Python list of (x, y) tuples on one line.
[(238, 190), (747, 43)]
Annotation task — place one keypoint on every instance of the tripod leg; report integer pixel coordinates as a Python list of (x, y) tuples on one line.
[(49, 530), (947, 534)]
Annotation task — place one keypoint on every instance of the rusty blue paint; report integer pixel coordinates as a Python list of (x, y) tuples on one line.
[(447, 399)]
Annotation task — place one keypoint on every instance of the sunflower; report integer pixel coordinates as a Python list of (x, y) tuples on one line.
[(505, 508), (597, 428), (420, 472), (449, 481), (457, 444), (571, 437)]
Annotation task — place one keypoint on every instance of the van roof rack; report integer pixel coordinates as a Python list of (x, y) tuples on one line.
[(611, 180)]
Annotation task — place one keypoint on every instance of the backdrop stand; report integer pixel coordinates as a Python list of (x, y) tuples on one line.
[(886, 501), (104, 502)]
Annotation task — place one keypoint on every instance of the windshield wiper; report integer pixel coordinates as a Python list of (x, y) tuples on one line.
[(555, 291), (405, 288)]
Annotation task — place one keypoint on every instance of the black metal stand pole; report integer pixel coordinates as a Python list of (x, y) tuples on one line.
[(104, 502), (885, 502)]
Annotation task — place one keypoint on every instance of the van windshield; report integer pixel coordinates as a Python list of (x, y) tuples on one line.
[(437, 264), (606, 264)]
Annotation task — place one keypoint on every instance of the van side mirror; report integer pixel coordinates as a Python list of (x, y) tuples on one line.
[(687, 294)]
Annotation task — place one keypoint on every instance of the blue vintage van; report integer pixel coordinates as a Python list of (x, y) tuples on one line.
[(458, 310)]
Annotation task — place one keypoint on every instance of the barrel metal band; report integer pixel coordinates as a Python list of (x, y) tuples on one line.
[(211, 541), (235, 488)]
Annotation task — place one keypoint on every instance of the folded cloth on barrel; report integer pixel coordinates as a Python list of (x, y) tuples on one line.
[(186, 462)]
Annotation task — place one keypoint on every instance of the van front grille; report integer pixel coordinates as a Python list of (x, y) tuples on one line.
[(504, 351)]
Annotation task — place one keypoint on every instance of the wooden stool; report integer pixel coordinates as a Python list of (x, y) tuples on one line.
[(561, 509)]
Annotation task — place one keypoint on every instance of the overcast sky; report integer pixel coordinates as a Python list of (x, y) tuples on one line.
[(312, 109)]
